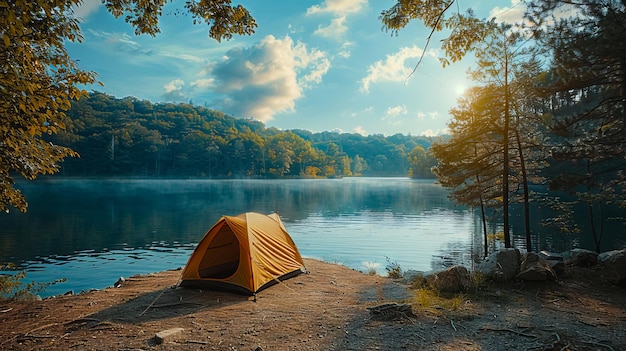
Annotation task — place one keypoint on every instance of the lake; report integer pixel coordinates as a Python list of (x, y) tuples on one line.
[(94, 231), (91, 232)]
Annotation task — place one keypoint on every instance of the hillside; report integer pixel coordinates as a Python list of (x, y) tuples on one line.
[(131, 137)]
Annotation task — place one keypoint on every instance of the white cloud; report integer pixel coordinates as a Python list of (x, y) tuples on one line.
[(394, 68), (515, 13), (512, 14), (320, 68), (434, 115), (203, 83), (345, 49), (436, 132), (396, 111), (121, 42), (174, 85), (86, 8), (431, 115), (314, 60), (359, 130), (185, 57), (266, 78), (337, 7), (336, 28), (174, 91), (393, 114)]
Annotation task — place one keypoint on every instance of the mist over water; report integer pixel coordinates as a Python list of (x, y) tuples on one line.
[(94, 231)]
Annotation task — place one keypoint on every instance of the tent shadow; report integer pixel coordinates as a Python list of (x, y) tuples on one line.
[(166, 303)]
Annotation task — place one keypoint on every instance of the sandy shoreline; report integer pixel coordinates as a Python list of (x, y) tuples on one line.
[(323, 310)]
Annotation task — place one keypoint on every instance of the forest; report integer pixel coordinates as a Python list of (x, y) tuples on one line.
[(545, 121), (137, 138)]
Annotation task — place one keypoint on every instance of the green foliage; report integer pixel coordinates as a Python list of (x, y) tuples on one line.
[(563, 221), (223, 19), (421, 163), (587, 116), (131, 137), (470, 161), (507, 131), (13, 287), (428, 298), (38, 79), (465, 30), (499, 236)]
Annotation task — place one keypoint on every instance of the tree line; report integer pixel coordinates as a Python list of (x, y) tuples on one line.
[(131, 137), (549, 109)]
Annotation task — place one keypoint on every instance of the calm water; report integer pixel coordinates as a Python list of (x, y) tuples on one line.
[(94, 231)]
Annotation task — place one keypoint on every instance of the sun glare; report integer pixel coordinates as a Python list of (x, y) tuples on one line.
[(460, 89)]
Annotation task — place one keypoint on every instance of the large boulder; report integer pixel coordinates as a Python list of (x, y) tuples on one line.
[(581, 258), (502, 265), (613, 265), (555, 260), (454, 279), (534, 268), (557, 266), (550, 256)]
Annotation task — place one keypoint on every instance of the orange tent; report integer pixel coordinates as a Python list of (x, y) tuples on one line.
[(244, 253)]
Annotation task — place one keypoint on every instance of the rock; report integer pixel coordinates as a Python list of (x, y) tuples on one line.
[(166, 335), (534, 268), (119, 282), (557, 266), (550, 256), (613, 265), (501, 266), (454, 279), (555, 260), (582, 258)]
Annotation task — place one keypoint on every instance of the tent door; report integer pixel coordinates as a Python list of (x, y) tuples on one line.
[(221, 259)]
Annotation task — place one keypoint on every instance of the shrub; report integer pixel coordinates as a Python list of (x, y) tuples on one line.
[(13, 287), (393, 269)]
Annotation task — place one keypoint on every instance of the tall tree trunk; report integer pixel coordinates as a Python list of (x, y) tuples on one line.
[(594, 233), (526, 193), (623, 67), (505, 165), (484, 223), (483, 219)]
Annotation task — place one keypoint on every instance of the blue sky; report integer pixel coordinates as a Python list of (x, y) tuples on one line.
[(314, 65)]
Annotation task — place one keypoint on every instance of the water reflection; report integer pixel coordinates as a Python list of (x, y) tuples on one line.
[(93, 231)]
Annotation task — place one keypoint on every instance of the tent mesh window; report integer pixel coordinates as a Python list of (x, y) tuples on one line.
[(221, 258)]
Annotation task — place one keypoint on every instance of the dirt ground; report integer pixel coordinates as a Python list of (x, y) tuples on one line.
[(323, 310)]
